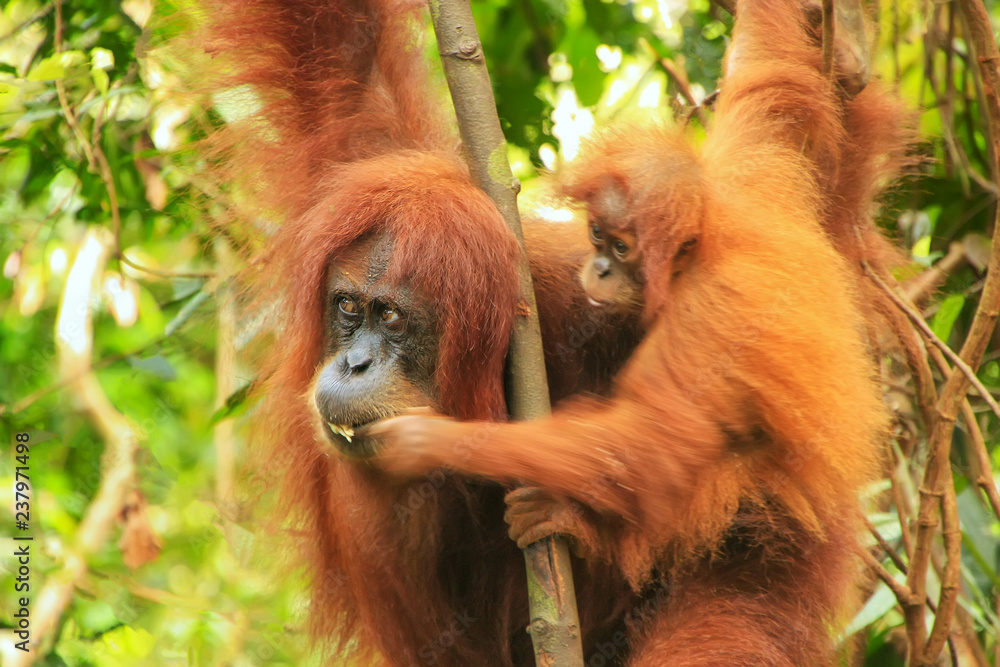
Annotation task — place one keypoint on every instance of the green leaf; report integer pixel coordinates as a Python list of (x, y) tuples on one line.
[(14, 168), (990, 373), (157, 365), (236, 403), (922, 247), (49, 69), (944, 319), (101, 58), (9, 94), (581, 52), (879, 604), (101, 80)]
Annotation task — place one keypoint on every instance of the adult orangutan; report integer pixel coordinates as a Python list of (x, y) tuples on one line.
[(725, 467), (390, 283)]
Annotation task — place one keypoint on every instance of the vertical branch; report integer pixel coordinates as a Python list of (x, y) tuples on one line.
[(948, 600), (554, 623), (486, 152), (829, 36), (225, 381)]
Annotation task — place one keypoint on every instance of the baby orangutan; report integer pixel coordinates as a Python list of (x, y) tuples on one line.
[(725, 467)]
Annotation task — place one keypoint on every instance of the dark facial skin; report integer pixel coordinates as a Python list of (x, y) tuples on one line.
[(613, 274), (381, 349)]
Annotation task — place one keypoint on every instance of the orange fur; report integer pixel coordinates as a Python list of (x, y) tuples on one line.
[(585, 347), (340, 141), (727, 464)]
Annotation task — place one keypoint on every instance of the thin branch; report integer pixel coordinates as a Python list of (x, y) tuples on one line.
[(897, 587), (728, 5), (980, 77), (951, 531), (901, 510), (707, 103), (680, 80), (554, 624), (985, 477), (226, 382), (829, 36), (930, 336), (901, 592), (924, 283), (886, 547), (68, 112), (164, 274), (915, 351), (104, 169)]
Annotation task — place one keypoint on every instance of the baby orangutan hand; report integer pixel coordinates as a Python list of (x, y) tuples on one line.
[(534, 513), (417, 440)]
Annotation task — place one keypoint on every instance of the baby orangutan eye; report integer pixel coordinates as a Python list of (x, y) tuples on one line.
[(620, 248), (595, 234)]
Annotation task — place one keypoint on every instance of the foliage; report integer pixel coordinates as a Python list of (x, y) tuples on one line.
[(94, 144)]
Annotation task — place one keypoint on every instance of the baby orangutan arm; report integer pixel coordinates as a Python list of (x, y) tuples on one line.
[(636, 457)]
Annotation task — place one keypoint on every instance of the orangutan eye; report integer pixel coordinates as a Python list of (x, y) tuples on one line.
[(620, 248), (392, 318), (595, 234), (347, 306)]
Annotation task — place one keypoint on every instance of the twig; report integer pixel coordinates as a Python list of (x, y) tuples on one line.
[(226, 382), (996, 630), (915, 352), (728, 5), (924, 283), (981, 77), (901, 592), (164, 274), (944, 101), (554, 625), (930, 336), (901, 509), (897, 587), (985, 478), (829, 36), (706, 103), (885, 546), (680, 79), (951, 532), (104, 169), (64, 100)]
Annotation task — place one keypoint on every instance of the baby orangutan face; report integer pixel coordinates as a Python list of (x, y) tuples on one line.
[(612, 276)]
